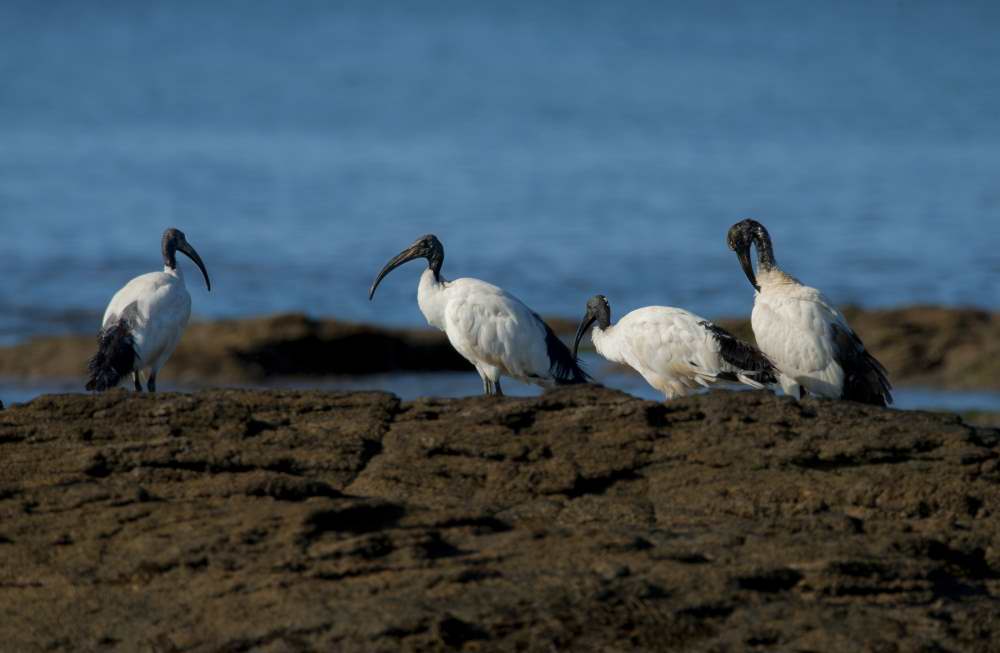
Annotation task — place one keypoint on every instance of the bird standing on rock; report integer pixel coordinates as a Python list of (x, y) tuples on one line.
[(144, 321), (798, 328), (674, 350), (488, 326)]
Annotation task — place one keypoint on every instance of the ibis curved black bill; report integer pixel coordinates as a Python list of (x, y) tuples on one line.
[(588, 321), (743, 253), (193, 255), (410, 253)]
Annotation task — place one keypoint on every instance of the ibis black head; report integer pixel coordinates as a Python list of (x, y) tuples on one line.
[(174, 241), (741, 236), (598, 310), (428, 247)]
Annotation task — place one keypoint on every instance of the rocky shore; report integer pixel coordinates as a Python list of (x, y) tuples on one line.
[(921, 346), (581, 520), (253, 349)]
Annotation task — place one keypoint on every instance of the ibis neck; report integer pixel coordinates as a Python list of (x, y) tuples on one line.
[(773, 276), (430, 297), (434, 265), (168, 247), (765, 252), (606, 343), (174, 271)]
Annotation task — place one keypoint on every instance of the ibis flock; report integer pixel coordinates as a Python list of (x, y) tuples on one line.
[(804, 344)]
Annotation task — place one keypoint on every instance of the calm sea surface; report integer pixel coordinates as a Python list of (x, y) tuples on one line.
[(557, 149)]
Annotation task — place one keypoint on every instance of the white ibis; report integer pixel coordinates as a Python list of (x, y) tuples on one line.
[(488, 326), (144, 321), (798, 328), (674, 350)]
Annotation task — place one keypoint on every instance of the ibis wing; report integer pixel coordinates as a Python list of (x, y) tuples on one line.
[(668, 342), (495, 329), (158, 306), (865, 379), (742, 356)]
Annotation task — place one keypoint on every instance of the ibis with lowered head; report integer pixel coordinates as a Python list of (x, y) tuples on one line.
[(488, 326), (799, 329), (144, 321), (674, 350)]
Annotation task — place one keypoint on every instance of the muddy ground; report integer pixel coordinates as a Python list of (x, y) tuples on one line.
[(921, 346), (582, 520)]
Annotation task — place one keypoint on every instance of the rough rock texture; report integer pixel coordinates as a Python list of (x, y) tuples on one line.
[(935, 347), (582, 520), (981, 418)]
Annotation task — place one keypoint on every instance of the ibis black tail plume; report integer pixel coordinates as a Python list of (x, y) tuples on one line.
[(868, 383), (747, 361), (865, 380), (116, 357), (563, 366)]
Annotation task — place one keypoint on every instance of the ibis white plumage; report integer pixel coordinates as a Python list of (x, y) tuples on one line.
[(144, 321), (674, 350), (799, 329), (488, 326)]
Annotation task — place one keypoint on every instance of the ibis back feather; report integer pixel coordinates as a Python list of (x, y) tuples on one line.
[(677, 352)]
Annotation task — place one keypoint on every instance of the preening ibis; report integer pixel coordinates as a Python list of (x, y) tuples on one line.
[(809, 341), (488, 326), (674, 350), (144, 321)]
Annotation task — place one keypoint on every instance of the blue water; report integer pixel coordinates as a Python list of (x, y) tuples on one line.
[(558, 149)]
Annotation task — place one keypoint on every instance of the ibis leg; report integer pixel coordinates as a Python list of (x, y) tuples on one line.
[(136, 381), (497, 390), (151, 384)]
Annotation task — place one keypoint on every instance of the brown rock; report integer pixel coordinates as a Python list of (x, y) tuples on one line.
[(928, 346), (580, 520), (251, 350)]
